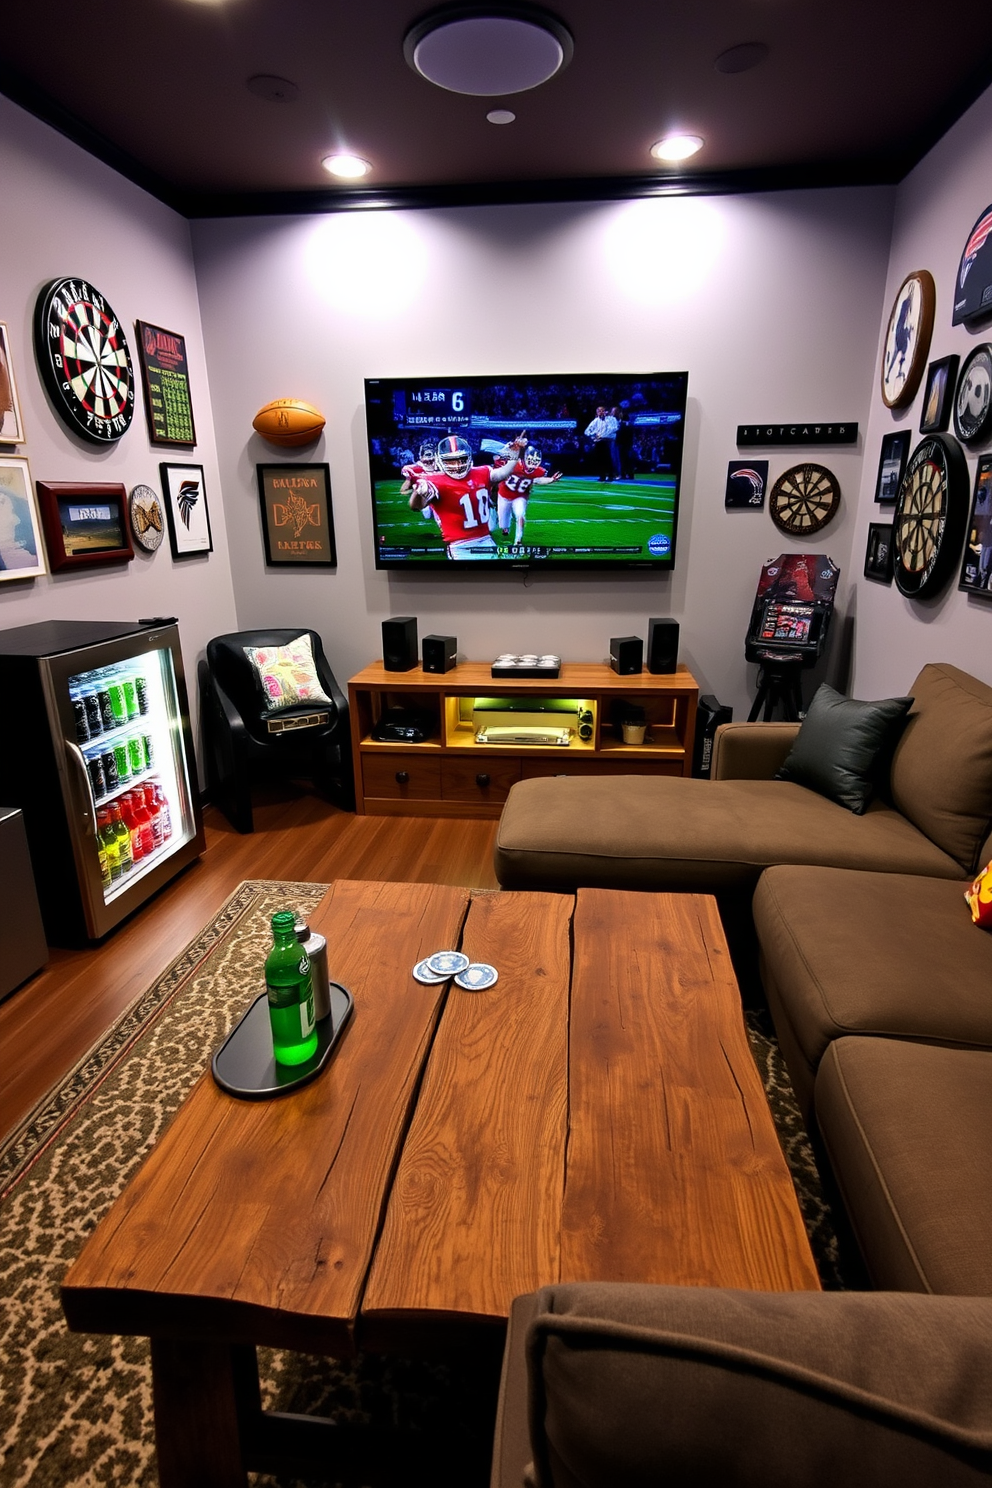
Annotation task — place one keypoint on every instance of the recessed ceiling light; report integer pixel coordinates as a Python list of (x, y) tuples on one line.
[(741, 58), (274, 89), (488, 51), (677, 147), (347, 167), (500, 116)]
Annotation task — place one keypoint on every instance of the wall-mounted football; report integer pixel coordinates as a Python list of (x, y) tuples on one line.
[(288, 421)]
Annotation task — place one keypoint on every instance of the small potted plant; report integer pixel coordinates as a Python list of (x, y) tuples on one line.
[(633, 723)]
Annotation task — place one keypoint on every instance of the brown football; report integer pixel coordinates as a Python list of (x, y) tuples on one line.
[(288, 421)]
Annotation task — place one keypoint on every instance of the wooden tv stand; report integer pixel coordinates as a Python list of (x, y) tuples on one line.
[(449, 774)]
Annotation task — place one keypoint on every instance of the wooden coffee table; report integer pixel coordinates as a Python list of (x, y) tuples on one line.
[(596, 1115)]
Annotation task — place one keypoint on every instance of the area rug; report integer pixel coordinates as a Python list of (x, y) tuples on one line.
[(76, 1410)]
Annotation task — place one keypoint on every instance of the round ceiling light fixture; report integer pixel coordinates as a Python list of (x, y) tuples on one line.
[(488, 51), (741, 58), (501, 116), (346, 167), (677, 147), (273, 89)]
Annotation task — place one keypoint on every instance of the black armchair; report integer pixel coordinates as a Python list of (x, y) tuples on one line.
[(244, 739)]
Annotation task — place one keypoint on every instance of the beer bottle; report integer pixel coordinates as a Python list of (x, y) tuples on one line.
[(123, 836), (290, 993), (108, 836)]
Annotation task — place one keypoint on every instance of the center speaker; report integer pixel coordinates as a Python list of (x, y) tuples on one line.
[(399, 643), (663, 646)]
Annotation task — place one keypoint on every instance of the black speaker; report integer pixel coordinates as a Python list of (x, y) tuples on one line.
[(663, 645), (439, 653), (626, 655), (709, 716), (399, 643)]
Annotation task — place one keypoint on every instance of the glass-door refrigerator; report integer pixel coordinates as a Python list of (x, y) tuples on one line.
[(96, 750)]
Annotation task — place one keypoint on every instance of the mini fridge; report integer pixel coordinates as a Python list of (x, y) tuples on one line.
[(96, 750)]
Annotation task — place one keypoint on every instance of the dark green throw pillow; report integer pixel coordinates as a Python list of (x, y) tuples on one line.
[(840, 743)]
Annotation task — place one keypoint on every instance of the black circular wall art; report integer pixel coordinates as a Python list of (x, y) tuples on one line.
[(930, 517), (973, 398), (804, 499), (84, 360), (973, 286)]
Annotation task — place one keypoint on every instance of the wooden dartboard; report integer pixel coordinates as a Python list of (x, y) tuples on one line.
[(930, 516), (804, 499)]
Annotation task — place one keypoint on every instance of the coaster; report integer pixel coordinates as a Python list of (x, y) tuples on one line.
[(422, 973), (477, 977), (446, 963)]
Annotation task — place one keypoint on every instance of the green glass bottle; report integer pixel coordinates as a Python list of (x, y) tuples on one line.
[(290, 993)]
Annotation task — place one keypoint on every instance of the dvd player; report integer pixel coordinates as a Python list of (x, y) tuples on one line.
[(559, 737)]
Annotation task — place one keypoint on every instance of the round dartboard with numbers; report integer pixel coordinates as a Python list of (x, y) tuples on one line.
[(84, 360), (930, 516), (804, 499)]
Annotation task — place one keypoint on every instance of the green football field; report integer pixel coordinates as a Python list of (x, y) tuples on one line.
[(574, 512)]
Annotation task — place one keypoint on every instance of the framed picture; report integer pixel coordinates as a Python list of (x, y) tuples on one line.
[(11, 427), (165, 376), (878, 554), (185, 497), (21, 553), (938, 399), (297, 522), (907, 339), (976, 566), (747, 481), (85, 523), (892, 465)]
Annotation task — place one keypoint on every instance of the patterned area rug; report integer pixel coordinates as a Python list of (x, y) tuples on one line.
[(75, 1410)]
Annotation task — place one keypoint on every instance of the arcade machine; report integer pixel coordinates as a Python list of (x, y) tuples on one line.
[(789, 621)]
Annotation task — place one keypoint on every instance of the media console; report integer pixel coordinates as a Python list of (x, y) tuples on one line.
[(451, 774)]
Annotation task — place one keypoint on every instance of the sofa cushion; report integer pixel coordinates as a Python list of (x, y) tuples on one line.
[(664, 832), (633, 1386), (838, 744), (941, 776), (908, 1130)]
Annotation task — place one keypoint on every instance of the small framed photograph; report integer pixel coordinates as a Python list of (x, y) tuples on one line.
[(11, 426), (186, 512), (976, 566), (85, 523), (21, 553), (938, 400), (747, 481), (892, 465), (878, 554), (165, 375), (297, 521)]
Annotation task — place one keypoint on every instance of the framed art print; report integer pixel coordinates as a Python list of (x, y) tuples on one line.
[(878, 554), (892, 465), (938, 399), (11, 427), (21, 553), (85, 523), (973, 400), (747, 481), (297, 522), (976, 567), (165, 376), (907, 339), (185, 497)]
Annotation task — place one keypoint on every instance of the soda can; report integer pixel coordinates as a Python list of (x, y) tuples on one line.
[(141, 693), (93, 720), (117, 703), (149, 744), (79, 718), (109, 758), (123, 762), (94, 766), (106, 710), (130, 698), (136, 753)]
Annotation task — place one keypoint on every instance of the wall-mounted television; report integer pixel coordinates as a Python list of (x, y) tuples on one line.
[(549, 471)]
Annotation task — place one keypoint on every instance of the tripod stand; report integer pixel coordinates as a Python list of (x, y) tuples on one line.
[(778, 684)]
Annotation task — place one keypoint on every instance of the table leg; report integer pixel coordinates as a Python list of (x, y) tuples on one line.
[(197, 1388)]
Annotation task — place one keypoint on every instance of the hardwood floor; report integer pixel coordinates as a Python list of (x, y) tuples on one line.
[(48, 1024)]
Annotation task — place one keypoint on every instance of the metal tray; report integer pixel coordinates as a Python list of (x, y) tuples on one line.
[(245, 1066)]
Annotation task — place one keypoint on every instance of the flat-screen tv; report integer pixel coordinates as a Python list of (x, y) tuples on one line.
[(555, 471)]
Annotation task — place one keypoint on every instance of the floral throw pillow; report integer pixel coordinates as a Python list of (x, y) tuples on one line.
[(979, 898), (286, 674)]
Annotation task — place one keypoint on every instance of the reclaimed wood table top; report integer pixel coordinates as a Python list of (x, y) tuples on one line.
[(595, 1115)]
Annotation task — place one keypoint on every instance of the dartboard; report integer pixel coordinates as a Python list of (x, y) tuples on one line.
[(84, 360), (804, 499), (930, 516)]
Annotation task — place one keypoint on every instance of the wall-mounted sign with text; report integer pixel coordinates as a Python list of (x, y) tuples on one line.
[(162, 355), (816, 431)]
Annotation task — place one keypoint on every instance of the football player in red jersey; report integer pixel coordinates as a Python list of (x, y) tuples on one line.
[(514, 492), (423, 467), (459, 496)]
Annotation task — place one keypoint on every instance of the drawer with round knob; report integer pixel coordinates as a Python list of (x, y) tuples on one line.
[(397, 776), (480, 778)]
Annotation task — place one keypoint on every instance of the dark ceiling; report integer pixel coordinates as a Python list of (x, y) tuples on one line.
[(849, 91)]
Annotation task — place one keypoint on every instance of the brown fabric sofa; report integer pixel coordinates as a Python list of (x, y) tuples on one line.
[(622, 1386)]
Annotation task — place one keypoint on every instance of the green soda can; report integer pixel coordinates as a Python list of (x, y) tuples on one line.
[(118, 703), (123, 759), (290, 993), (136, 753)]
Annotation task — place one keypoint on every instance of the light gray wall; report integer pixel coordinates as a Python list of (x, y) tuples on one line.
[(65, 214), (936, 208), (772, 303)]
